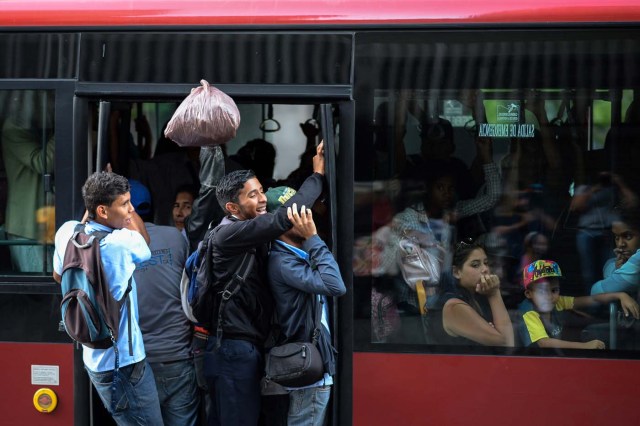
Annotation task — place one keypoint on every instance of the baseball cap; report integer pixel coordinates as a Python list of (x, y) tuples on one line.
[(538, 270), (278, 196), (140, 197)]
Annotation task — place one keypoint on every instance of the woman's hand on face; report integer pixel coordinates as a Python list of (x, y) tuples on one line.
[(488, 285)]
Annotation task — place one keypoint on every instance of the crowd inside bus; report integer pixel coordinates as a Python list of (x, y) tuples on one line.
[(534, 210), (496, 196), (536, 192)]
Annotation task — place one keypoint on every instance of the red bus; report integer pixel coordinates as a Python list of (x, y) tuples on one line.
[(553, 87)]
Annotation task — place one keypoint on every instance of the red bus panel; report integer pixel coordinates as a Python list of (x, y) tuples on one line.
[(411, 389), (17, 390), (57, 13)]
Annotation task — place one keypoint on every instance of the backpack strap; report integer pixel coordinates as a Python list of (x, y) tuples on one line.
[(126, 299), (80, 228), (97, 236), (232, 287)]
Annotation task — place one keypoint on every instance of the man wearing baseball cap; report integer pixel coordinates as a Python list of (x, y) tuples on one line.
[(541, 312), (302, 275)]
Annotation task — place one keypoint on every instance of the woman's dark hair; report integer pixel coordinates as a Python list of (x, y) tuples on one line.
[(463, 250), (102, 189), (462, 253)]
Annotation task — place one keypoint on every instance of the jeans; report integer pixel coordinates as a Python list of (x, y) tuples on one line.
[(177, 392), (233, 375), (198, 347), (309, 406), (136, 395)]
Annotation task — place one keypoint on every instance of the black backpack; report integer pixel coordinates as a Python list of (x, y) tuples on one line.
[(90, 314)]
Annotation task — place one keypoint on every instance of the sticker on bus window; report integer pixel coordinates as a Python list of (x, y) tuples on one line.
[(507, 112), (504, 121)]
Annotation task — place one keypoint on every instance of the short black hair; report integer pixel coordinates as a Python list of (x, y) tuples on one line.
[(437, 130), (230, 186), (629, 215), (189, 188), (102, 188), (437, 169)]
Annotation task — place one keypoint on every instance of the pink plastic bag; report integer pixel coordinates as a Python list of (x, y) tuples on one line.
[(206, 117)]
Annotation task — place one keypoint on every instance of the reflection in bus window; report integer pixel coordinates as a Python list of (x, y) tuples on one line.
[(531, 167), (28, 160)]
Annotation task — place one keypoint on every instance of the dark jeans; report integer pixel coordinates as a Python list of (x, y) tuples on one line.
[(177, 392), (198, 347), (233, 375)]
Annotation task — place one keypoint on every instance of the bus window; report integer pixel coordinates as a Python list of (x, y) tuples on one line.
[(26, 180), (529, 166)]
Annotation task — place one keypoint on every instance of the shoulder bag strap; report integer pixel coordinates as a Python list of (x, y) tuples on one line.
[(232, 287), (318, 305)]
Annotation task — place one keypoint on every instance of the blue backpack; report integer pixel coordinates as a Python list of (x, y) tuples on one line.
[(196, 277), (90, 314)]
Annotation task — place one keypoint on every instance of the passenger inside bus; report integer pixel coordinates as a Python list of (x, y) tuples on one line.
[(185, 195), (541, 314), (594, 205), (536, 246), (622, 273), (164, 174), (311, 130), (541, 176), (28, 147), (431, 225), (258, 155), (626, 235), (166, 331), (436, 145), (470, 309)]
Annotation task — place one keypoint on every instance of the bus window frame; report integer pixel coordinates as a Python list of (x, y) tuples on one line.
[(63, 93)]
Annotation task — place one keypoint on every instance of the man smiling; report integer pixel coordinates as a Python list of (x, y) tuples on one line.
[(233, 361)]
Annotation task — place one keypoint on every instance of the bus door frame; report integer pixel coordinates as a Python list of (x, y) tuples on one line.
[(338, 162)]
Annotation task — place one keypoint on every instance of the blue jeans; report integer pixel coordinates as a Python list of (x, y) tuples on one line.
[(308, 407), (177, 392), (233, 375), (136, 395)]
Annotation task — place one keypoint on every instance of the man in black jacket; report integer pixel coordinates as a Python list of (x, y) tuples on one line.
[(234, 365)]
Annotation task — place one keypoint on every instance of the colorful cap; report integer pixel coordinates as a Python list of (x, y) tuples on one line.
[(140, 197), (278, 196), (538, 270)]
